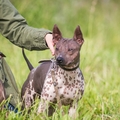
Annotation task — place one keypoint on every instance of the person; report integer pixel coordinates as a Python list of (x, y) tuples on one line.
[(14, 27)]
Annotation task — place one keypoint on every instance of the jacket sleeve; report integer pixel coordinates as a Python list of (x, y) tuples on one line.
[(15, 28)]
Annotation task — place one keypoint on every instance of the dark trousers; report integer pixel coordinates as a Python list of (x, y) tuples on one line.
[(8, 80)]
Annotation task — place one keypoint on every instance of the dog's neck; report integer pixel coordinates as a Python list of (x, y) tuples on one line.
[(70, 68), (66, 68)]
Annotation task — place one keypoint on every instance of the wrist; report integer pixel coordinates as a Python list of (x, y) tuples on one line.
[(48, 37)]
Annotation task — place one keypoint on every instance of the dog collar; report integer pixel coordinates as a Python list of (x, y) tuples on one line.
[(53, 61), (69, 69)]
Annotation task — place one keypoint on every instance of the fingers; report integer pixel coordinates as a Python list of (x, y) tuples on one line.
[(52, 51), (50, 43)]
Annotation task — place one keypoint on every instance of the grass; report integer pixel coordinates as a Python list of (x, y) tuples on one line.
[(100, 53)]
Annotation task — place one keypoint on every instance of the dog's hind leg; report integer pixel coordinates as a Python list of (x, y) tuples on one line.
[(28, 97)]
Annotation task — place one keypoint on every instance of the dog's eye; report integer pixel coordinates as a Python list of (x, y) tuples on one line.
[(56, 49), (70, 49)]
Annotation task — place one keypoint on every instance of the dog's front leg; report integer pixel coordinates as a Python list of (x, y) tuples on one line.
[(43, 105), (73, 110)]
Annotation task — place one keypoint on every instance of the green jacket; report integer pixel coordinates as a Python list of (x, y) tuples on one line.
[(15, 28)]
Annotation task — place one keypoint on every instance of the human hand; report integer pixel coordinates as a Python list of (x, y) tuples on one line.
[(49, 41)]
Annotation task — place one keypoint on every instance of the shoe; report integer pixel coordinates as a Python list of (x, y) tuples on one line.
[(10, 107)]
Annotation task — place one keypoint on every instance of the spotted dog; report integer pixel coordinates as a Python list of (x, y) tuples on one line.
[(57, 80)]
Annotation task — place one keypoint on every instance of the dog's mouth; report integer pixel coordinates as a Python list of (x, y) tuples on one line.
[(66, 66)]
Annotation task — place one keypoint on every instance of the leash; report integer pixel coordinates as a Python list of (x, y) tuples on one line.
[(54, 82)]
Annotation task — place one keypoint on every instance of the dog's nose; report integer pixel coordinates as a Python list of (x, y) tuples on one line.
[(60, 60)]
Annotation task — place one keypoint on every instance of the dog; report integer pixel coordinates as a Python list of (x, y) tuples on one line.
[(59, 80)]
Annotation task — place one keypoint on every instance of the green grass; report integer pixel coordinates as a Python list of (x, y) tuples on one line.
[(100, 53)]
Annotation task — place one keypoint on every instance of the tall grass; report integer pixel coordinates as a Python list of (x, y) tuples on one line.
[(100, 53)]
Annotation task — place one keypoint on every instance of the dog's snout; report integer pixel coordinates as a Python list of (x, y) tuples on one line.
[(60, 60)]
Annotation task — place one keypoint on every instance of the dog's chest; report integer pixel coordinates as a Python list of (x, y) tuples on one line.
[(69, 84)]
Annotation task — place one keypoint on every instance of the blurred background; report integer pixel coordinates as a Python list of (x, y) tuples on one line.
[(100, 54)]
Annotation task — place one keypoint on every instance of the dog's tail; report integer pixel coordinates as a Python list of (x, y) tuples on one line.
[(27, 61)]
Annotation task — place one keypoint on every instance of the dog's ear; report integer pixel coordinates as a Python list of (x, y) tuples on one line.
[(56, 34), (78, 37)]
